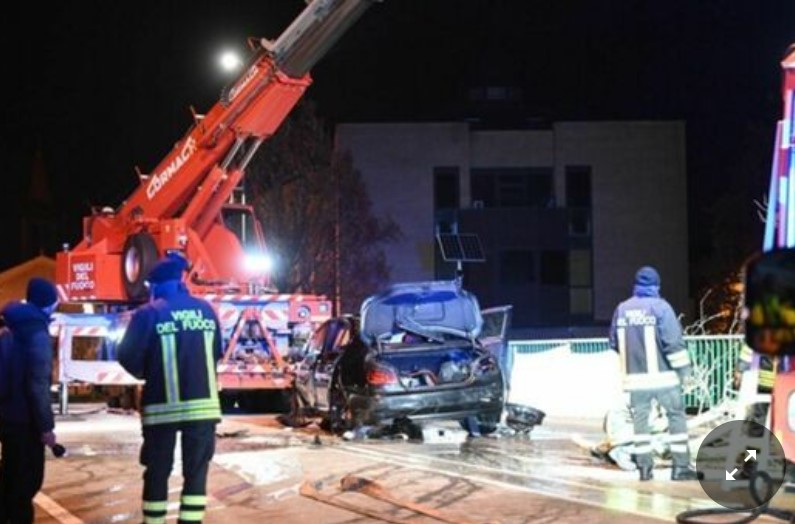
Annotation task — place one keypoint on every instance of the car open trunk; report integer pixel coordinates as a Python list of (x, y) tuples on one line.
[(437, 311), (432, 364)]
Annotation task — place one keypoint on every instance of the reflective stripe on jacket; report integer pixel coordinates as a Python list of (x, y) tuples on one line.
[(648, 338), (765, 366), (174, 344)]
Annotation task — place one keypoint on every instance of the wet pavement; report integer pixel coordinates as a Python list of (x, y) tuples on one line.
[(265, 472)]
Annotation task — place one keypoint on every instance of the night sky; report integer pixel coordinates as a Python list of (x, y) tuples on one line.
[(100, 87)]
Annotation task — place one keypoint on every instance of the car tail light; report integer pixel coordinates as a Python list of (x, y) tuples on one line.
[(380, 375)]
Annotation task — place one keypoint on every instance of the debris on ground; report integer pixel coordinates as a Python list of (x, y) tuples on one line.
[(232, 434), (437, 435), (374, 490), (402, 428), (522, 419)]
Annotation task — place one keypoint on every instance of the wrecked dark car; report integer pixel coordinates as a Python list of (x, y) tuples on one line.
[(416, 351)]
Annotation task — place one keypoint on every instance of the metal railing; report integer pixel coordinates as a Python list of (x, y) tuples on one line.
[(714, 358)]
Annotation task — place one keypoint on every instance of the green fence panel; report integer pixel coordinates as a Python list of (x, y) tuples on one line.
[(714, 358)]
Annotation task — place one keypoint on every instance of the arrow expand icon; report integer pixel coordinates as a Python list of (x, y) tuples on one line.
[(730, 476), (751, 455)]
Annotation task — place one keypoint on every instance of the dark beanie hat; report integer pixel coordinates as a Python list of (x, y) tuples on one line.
[(647, 276), (41, 293), (168, 268)]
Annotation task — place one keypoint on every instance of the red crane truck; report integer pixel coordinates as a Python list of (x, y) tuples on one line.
[(186, 205)]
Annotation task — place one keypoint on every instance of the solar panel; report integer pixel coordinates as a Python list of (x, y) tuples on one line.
[(470, 246), (451, 248), (460, 248)]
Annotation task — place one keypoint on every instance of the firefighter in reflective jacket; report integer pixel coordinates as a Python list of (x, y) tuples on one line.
[(173, 343), (654, 361), (765, 367)]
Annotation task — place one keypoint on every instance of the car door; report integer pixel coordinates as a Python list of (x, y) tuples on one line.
[(494, 336), (335, 337), (305, 367)]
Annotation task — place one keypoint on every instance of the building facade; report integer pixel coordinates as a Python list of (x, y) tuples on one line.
[(565, 215)]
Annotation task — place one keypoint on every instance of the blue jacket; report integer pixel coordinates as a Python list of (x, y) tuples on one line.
[(648, 338), (174, 343), (26, 405)]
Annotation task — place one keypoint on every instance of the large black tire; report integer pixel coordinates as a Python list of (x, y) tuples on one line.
[(340, 417), (138, 258), (298, 416), (488, 423)]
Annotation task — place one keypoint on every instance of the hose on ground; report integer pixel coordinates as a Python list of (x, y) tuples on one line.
[(692, 516)]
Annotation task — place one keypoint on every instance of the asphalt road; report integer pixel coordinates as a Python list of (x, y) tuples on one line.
[(267, 473)]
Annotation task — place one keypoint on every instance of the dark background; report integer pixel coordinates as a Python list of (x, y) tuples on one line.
[(101, 87)]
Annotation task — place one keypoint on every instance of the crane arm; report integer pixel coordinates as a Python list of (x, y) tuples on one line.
[(251, 108), (179, 205)]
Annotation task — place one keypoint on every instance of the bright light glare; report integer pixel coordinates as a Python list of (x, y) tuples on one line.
[(259, 263), (230, 61)]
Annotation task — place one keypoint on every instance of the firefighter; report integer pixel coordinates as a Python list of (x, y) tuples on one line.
[(654, 362), (173, 343), (765, 367)]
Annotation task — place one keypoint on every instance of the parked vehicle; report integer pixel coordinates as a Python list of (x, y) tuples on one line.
[(415, 351)]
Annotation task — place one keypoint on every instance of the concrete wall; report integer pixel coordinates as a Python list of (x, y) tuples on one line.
[(397, 161), (638, 182), (639, 203)]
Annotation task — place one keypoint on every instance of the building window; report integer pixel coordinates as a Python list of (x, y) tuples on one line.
[(446, 188), (580, 267), (554, 268), (581, 302), (581, 282), (579, 199), (517, 267), (512, 187), (578, 186), (579, 222)]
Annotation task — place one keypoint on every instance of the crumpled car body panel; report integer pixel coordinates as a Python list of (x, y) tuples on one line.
[(414, 352)]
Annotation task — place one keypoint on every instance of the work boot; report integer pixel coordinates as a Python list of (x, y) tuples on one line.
[(646, 472), (685, 473)]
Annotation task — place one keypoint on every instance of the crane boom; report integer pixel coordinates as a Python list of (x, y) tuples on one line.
[(185, 205), (178, 206)]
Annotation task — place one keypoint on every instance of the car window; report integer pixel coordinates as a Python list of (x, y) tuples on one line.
[(495, 322), (336, 336), (315, 344)]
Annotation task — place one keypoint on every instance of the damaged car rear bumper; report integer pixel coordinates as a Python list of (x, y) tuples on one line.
[(484, 398)]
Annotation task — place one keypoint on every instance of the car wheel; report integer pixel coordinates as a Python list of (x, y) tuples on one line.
[(340, 415), (138, 258), (298, 416), (488, 423)]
